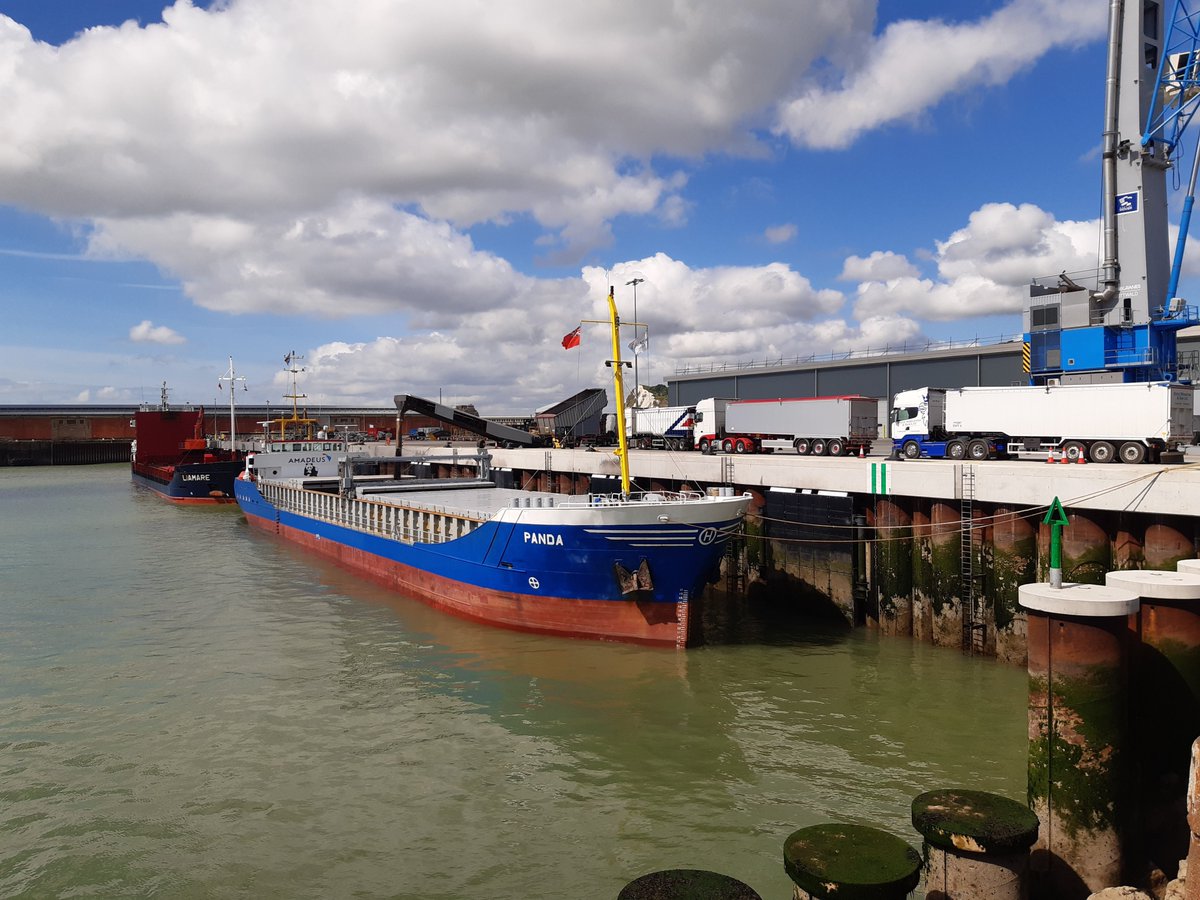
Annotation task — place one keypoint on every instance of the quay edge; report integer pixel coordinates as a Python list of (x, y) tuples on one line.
[(913, 584)]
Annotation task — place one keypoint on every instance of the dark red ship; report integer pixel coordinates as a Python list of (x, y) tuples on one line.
[(172, 456)]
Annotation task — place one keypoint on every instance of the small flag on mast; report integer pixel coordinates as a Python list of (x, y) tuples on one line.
[(640, 344), (572, 339)]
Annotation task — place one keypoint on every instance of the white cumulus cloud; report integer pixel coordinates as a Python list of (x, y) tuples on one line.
[(983, 268), (780, 234), (881, 265), (915, 64), (146, 332)]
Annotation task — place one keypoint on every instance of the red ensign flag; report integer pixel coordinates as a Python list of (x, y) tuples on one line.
[(572, 339)]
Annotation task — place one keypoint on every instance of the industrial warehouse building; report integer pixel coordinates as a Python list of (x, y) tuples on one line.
[(876, 373)]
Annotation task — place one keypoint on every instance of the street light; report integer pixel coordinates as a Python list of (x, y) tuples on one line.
[(637, 385)]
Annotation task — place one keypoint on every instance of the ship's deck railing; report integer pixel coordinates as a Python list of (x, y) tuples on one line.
[(407, 524), (640, 498)]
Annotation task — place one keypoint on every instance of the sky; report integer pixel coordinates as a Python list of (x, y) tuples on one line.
[(424, 198)]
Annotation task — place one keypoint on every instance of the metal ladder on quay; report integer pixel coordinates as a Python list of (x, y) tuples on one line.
[(974, 628), (735, 561)]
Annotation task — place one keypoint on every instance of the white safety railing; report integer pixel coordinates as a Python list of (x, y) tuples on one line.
[(407, 524)]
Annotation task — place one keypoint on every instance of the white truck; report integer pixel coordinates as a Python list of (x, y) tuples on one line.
[(1130, 422), (660, 427), (816, 426)]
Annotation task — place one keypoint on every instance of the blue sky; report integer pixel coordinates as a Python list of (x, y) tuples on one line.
[(423, 198)]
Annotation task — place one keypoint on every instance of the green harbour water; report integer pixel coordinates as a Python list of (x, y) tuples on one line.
[(195, 710)]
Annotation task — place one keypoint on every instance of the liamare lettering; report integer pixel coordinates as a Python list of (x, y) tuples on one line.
[(195, 478), (541, 537)]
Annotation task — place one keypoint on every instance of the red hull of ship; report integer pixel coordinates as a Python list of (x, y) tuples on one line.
[(624, 621)]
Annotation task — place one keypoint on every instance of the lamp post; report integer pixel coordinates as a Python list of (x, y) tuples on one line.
[(637, 385)]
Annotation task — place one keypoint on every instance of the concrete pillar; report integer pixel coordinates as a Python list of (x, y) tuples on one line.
[(758, 499), (1128, 551), (895, 565), (1168, 540), (922, 572), (945, 541), (1014, 563), (1086, 549), (756, 545), (686, 884), (1192, 888), (1165, 695), (1078, 677), (982, 562), (834, 860), (976, 845)]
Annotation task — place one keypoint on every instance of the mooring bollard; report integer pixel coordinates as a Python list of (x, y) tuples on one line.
[(850, 861), (1165, 702), (1078, 732), (976, 844), (687, 884)]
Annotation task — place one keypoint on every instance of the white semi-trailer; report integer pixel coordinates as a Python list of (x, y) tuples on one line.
[(816, 426), (1130, 422), (660, 427)]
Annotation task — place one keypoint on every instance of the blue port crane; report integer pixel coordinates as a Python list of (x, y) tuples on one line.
[(1119, 322)]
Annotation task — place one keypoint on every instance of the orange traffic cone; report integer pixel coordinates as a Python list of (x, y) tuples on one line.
[(1050, 456), (1064, 458), (1082, 457), (861, 454)]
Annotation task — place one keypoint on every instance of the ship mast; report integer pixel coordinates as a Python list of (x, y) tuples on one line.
[(290, 361), (232, 377), (622, 450)]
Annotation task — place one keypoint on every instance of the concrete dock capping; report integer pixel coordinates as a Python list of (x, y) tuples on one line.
[(1188, 565), (1085, 600), (1152, 584)]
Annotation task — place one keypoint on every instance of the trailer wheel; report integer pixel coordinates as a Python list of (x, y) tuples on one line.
[(956, 449), (1132, 452), (1102, 452), (1074, 450), (836, 448), (819, 447), (911, 450), (803, 446), (978, 450), (740, 446)]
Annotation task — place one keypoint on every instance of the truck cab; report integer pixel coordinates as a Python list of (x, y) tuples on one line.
[(708, 424), (917, 414), (918, 426)]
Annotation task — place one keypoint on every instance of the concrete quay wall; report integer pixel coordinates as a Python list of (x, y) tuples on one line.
[(1162, 489), (884, 544)]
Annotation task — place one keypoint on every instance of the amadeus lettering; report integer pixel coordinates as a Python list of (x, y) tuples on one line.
[(541, 537)]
